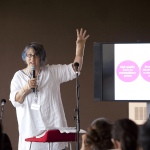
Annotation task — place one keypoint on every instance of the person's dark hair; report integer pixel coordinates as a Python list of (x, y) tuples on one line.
[(39, 49), (5, 143), (99, 134), (126, 132), (144, 136)]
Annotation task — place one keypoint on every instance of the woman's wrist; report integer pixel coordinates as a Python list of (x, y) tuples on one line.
[(26, 89), (79, 50), (22, 93), (79, 53)]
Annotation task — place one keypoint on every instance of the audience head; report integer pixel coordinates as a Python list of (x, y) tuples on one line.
[(99, 134), (144, 136), (125, 135)]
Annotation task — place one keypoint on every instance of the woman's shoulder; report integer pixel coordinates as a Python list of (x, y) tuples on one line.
[(53, 66), (59, 66), (19, 73)]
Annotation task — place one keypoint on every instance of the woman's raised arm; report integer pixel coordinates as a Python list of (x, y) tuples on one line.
[(80, 45)]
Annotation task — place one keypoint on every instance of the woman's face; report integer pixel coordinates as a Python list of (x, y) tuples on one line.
[(33, 60)]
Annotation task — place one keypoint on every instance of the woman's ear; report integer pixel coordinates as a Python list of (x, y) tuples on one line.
[(116, 144)]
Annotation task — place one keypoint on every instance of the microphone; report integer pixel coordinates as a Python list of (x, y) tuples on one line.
[(76, 64), (33, 75), (3, 101)]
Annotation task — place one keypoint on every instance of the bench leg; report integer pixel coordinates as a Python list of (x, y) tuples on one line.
[(51, 145), (30, 145), (70, 146)]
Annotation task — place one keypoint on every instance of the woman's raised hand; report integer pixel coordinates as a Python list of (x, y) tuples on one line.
[(80, 43), (81, 38)]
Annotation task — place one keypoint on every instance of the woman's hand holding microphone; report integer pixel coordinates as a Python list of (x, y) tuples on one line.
[(25, 90)]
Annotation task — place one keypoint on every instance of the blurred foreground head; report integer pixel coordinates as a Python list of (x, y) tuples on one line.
[(99, 134), (125, 135), (144, 135)]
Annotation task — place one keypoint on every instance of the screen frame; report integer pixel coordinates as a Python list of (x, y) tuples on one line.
[(98, 72)]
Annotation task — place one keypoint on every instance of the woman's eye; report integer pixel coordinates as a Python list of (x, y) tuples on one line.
[(29, 55)]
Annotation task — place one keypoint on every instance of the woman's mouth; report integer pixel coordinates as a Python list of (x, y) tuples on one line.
[(32, 63)]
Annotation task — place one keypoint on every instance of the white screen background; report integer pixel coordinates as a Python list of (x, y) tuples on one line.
[(139, 89)]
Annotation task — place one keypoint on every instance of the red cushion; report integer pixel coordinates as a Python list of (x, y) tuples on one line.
[(54, 136)]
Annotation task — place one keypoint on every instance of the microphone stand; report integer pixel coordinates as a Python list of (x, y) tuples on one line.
[(1, 114), (77, 107)]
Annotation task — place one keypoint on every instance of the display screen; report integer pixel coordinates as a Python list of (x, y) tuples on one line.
[(132, 71), (126, 71)]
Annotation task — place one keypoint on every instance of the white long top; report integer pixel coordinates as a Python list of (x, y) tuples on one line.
[(51, 113)]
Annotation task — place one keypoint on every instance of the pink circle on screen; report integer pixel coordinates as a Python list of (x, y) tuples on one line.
[(145, 71), (127, 71)]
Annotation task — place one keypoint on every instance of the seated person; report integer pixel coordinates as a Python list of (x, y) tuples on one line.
[(98, 136), (125, 135), (4, 141), (144, 136)]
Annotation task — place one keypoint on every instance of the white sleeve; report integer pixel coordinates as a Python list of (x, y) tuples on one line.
[(63, 73), (14, 89)]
